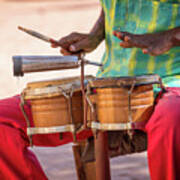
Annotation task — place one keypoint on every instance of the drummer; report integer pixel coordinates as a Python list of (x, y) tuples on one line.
[(147, 42), (143, 37)]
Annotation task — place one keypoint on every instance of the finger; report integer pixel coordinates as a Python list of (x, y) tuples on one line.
[(127, 38), (67, 40), (68, 53), (54, 45), (151, 51), (145, 51), (79, 46), (65, 52), (73, 48), (125, 44), (119, 35), (122, 35)]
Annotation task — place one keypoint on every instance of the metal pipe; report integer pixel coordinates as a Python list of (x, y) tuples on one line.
[(27, 64), (102, 156)]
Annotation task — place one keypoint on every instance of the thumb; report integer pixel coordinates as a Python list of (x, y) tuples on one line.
[(145, 51), (81, 45)]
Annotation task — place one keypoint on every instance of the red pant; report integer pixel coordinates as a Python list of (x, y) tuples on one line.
[(163, 130), (18, 162)]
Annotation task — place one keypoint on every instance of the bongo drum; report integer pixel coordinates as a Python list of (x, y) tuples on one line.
[(121, 103), (56, 105)]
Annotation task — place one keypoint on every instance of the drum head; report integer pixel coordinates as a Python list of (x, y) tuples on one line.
[(125, 81)]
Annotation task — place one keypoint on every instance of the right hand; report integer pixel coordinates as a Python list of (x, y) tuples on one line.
[(75, 43)]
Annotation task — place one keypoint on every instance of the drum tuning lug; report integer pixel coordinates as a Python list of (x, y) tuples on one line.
[(130, 133), (74, 137), (95, 133)]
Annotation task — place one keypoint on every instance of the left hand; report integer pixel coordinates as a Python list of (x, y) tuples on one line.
[(152, 44)]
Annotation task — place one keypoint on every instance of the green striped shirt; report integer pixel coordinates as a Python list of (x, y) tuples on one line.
[(140, 16)]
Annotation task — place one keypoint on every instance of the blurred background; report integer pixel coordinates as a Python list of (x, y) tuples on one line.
[(55, 18)]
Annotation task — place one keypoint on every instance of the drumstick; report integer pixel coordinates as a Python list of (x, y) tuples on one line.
[(38, 35)]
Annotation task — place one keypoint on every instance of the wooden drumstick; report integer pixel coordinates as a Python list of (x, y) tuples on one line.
[(38, 35)]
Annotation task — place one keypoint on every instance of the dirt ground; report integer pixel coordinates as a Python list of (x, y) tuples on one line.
[(54, 18)]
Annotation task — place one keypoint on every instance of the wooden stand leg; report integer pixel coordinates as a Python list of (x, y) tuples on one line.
[(85, 171), (102, 157)]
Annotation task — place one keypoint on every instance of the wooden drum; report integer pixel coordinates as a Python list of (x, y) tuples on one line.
[(121, 103), (57, 105)]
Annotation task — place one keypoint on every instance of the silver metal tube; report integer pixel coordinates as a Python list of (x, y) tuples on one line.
[(27, 64)]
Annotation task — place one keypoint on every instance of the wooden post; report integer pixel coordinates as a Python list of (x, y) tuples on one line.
[(85, 171), (102, 157)]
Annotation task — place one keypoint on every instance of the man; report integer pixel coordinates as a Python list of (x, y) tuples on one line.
[(150, 39), (149, 44)]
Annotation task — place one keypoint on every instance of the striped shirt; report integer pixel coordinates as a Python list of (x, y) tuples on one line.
[(140, 16)]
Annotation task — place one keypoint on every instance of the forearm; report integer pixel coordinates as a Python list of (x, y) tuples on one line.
[(98, 30)]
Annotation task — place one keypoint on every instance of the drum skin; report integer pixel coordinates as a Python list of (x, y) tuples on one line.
[(112, 104), (54, 111)]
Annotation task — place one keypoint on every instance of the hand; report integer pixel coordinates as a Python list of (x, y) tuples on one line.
[(75, 43), (152, 44)]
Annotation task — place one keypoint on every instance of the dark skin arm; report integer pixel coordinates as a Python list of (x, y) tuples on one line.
[(80, 42), (152, 44)]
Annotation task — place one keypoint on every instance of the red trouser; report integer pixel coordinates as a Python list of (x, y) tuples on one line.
[(18, 162), (163, 130)]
